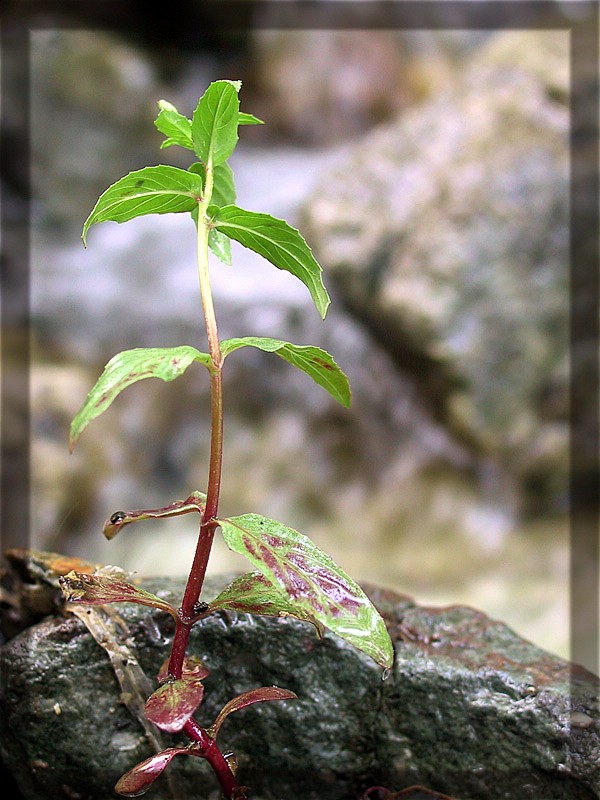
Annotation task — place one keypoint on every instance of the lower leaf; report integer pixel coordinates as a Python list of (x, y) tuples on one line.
[(312, 581)]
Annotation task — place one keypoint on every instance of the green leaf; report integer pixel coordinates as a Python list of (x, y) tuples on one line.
[(249, 119), (312, 580), (220, 246), (173, 703), (195, 502), (94, 590), (166, 363), (215, 123), (246, 699), (223, 192), (276, 241), (176, 127), (151, 190), (254, 594), (310, 359)]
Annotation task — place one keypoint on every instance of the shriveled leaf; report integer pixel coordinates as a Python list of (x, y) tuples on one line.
[(94, 590), (312, 580), (275, 240), (247, 699), (173, 703), (130, 366), (249, 119), (139, 779), (195, 502), (176, 127), (255, 594), (215, 122), (151, 190), (193, 667), (310, 359)]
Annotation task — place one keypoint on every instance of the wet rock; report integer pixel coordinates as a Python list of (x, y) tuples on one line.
[(446, 233), (470, 709)]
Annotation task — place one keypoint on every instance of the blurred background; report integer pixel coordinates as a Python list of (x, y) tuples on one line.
[(429, 171)]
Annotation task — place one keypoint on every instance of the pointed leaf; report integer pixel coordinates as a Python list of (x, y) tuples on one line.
[(94, 590), (249, 119), (176, 127), (247, 699), (278, 242), (215, 122), (310, 359), (173, 703), (166, 363), (255, 594), (312, 580), (195, 502), (151, 190), (139, 779)]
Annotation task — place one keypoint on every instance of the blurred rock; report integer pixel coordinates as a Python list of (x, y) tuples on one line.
[(447, 234), (470, 709), (326, 86)]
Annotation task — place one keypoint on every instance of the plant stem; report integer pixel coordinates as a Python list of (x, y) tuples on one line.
[(208, 523)]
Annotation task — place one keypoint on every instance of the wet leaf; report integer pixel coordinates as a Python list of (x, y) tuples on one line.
[(173, 703), (314, 361), (260, 695), (151, 190), (176, 127), (139, 779), (215, 122), (275, 240), (312, 581), (255, 594), (195, 502), (128, 367), (80, 587)]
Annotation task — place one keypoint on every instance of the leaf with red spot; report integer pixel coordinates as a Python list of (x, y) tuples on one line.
[(96, 590), (314, 361), (253, 593), (311, 580), (173, 703), (130, 366), (247, 699), (139, 779)]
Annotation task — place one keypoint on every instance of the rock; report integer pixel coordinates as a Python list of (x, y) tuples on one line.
[(447, 235), (469, 709)]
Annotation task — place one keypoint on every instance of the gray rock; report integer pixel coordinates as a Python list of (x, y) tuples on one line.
[(447, 234), (469, 709)]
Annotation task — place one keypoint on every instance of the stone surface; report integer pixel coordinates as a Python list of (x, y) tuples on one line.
[(469, 709), (447, 234)]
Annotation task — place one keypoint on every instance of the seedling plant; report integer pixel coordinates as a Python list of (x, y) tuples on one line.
[(291, 576)]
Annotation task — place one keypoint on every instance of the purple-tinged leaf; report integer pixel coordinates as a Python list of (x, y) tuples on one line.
[(255, 594), (195, 502), (312, 580), (314, 361), (139, 779), (95, 590), (130, 366), (173, 703), (192, 668), (247, 699)]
